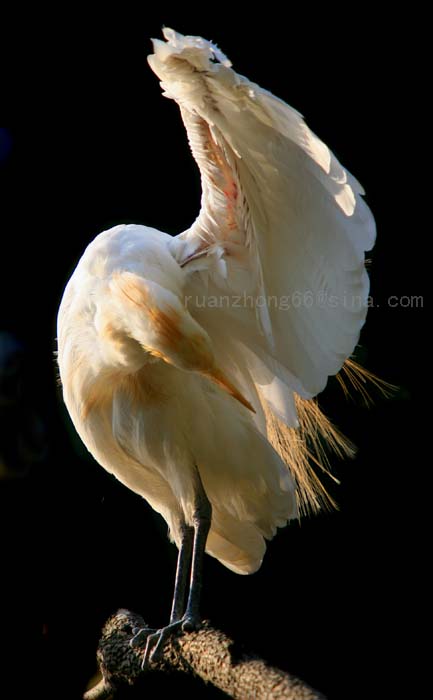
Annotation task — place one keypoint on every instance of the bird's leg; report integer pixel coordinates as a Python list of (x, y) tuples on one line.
[(201, 522), (155, 638), (197, 543), (182, 572)]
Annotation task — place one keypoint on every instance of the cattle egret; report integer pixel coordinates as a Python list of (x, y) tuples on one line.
[(190, 364)]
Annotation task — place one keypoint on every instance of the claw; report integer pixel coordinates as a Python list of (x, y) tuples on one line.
[(148, 650), (155, 639), (138, 633)]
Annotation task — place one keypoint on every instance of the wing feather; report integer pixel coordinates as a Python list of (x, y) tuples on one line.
[(280, 218)]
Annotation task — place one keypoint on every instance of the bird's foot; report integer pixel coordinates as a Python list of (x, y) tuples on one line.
[(140, 634), (190, 622), (155, 639), (155, 642)]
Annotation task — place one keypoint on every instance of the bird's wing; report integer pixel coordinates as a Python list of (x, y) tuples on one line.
[(282, 228)]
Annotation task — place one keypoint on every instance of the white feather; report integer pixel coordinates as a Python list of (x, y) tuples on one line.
[(152, 358), (298, 214)]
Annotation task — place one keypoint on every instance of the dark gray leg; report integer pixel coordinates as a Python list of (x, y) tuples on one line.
[(201, 522), (193, 539), (182, 572), (155, 639)]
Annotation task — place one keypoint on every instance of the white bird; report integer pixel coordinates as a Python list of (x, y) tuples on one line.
[(190, 364)]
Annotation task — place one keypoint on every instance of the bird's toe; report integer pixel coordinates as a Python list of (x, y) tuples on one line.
[(140, 634), (155, 642)]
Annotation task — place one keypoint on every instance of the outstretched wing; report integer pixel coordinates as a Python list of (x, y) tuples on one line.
[(282, 229)]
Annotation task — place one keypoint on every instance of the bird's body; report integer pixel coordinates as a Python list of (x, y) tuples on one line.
[(149, 421), (189, 364)]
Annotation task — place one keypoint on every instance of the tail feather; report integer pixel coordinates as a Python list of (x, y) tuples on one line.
[(238, 545)]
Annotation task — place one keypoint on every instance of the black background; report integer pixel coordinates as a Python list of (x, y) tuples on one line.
[(337, 597)]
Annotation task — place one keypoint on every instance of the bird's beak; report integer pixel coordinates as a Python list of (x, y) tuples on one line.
[(218, 377)]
